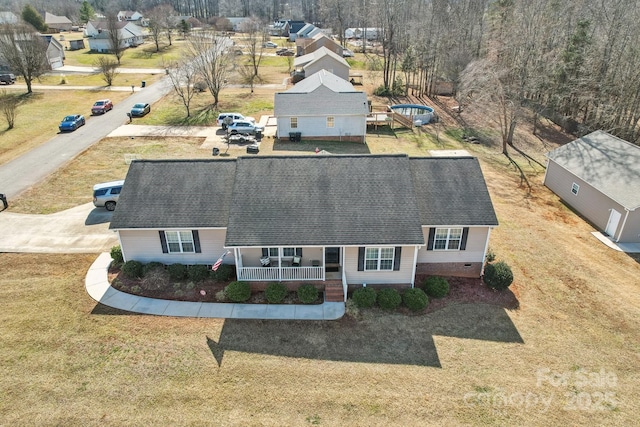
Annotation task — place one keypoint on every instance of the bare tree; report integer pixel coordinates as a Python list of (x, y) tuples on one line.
[(212, 59), (24, 51), (485, 86), (109, 69), (9, 107), (115, 36), (183, 76), (255, 37)]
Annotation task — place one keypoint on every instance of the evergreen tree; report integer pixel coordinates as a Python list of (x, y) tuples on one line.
[(86, 12), (31, 16)]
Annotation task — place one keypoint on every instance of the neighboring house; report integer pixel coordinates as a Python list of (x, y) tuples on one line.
[(131, 16), (98, 36), (322, 106), (236, 23), (55, 51), (360, 219), (321, 59), (305, 46), (59, 23), (599, 176), (286, 28), (8, 18), (309, 30), (369, 33)]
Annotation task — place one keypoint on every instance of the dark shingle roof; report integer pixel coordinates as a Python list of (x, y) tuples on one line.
[(175, 193), (452, 191), (306, 200), (318, 200)]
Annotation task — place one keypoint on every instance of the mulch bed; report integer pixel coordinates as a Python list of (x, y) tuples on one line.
[(461, 291)]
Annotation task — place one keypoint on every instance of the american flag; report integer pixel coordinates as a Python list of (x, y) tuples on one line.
[(218, 263)]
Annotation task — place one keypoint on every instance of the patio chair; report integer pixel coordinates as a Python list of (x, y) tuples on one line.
[(296, 261), (265, 261)]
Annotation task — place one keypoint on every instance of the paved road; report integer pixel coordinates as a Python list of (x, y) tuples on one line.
[(34, 166)]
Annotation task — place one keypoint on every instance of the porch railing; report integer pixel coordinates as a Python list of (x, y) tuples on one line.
[(262, 274)]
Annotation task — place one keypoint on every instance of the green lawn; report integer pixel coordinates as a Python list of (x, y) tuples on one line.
[(144, 56)]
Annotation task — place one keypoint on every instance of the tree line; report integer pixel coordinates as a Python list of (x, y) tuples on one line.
[(575, 61)]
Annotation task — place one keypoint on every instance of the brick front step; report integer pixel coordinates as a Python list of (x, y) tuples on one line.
[(333, 293)]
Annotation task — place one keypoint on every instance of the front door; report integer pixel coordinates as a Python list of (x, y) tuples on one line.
[(612, 225), (332, 259)]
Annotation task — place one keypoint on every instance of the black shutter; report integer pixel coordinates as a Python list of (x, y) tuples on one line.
[(163, 242), (396, 258), (432, 238), (463, 242), (196, 241), (361, 259), (265, 251), (299, 252)]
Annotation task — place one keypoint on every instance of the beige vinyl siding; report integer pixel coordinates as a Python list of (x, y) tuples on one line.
[(251, 256), (404, 275), (144, 246), (589, 202), (631, 231), (330, 64), (474, 252)]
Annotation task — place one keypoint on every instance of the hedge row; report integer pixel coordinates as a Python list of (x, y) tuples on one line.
[(195, 273), (389, 298)]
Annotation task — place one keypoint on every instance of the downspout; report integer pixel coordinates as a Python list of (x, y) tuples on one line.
[(486, 248), (236, 255), (623, 224), (415, 266), (345, 286)]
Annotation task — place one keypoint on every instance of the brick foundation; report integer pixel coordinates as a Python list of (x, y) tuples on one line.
[(454, 269)]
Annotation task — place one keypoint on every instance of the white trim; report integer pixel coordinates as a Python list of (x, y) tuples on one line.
[(486, 248), (624, 222), (415, 265)]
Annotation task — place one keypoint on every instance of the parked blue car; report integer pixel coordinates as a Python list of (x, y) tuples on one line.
[(71, 123), (140, 110)]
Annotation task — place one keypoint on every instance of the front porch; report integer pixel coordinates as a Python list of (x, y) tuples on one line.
[(288, 264)]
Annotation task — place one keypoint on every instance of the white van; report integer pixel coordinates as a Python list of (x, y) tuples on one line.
[(107, 194)]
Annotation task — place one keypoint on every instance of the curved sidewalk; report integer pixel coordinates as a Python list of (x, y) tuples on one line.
[(98, 288)]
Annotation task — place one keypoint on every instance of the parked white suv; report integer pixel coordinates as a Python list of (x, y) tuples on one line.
[(245, 126), (107, 194)]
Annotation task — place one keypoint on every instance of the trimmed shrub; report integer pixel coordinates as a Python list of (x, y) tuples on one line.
[(351, 308), (136, 289), (307, 294), (276, 292), (364, 297), (436, 287), (153, 265), (415, 299), (132, 269), (498, 276), (198, 273), (190, 286), (224, 273), (238, 291), (116, 255), (490, 255), (221, 297), (177, 271), (389, 299), (157, 278)]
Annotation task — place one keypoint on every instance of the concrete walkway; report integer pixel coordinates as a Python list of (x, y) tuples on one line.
[(630, 248), (98, 287)]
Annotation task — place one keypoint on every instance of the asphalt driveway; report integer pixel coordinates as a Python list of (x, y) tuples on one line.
[(82, 229)]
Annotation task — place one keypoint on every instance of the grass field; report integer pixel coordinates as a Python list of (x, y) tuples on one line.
[(568, 355)]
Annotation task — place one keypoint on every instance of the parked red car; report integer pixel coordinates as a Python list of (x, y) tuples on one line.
[(101, 106)]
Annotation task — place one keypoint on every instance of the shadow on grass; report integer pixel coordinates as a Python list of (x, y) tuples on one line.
[(382, 338), (333, 147), (105, 310)]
